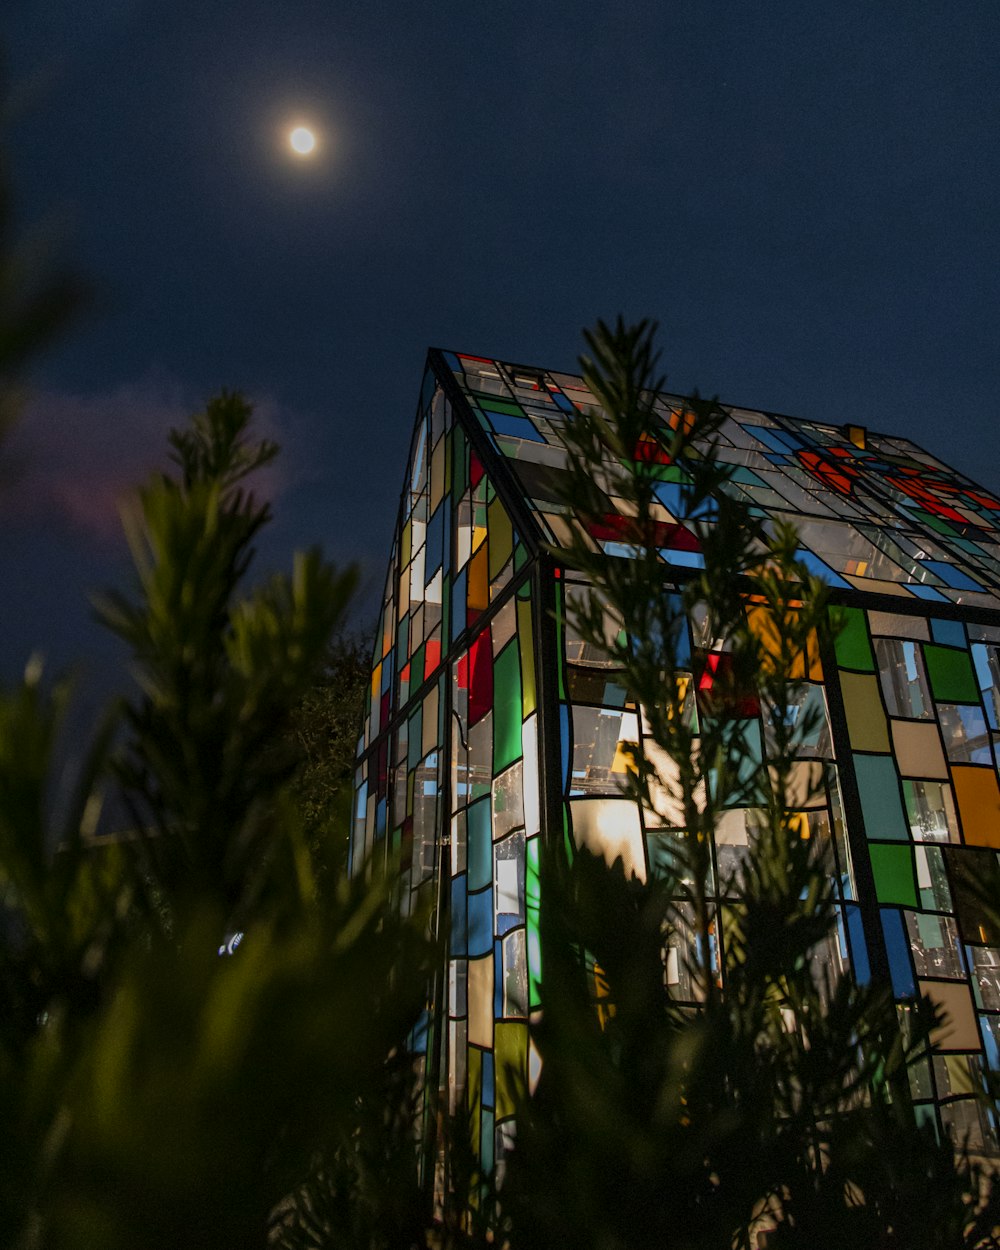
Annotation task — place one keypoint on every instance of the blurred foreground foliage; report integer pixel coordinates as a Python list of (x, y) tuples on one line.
[(202, 1022), (777, 1111), (197, 1013)]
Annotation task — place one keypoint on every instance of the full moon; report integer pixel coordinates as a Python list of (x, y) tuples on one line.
[(302, 140)]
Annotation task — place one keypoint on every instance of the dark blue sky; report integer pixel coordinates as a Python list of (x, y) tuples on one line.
[(805, 197)]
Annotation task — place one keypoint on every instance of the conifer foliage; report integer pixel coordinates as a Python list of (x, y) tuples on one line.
[(198, 1010), (774, 1110)]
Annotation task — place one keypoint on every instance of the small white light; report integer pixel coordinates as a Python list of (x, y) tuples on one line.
[(302, 140)]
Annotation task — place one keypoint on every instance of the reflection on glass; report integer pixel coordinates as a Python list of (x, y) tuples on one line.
[(966, 738), (593, 685), (935, 945), (681, 958), (600, 758), (508, 880), (932, 881), (807, 716), (515, 975), (986, 976), (930, 810), (904, 681)]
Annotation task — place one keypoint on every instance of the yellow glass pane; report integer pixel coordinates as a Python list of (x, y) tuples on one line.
[(480, 991), (479, 581), (510, 1057), (865, 718), (501, 537), (526, 643)]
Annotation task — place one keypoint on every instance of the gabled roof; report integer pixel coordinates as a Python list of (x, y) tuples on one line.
[(875, 513)]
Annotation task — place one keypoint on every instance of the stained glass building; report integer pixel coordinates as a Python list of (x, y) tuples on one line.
[(488, 724)]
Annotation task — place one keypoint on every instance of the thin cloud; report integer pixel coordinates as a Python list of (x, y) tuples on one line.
[(72, 459)]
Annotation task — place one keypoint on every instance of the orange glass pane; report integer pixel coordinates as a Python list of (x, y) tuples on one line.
[(978, 798), (762, 625)]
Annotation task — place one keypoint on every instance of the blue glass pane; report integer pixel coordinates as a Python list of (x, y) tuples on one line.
[(951, 633), (481, 922), (859, 949), (898, 949), (459, 935)]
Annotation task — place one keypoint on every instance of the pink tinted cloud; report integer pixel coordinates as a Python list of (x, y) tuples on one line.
[(74, 458)]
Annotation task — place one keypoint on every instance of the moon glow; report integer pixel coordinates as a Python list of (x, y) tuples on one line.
[(302, 141)]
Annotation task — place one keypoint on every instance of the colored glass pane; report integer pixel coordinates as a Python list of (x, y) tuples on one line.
[(480, 906), (930, 810), (970, 872), (951, 675), (507, 708), (878, 787), (959, 1029), (948, 633), (457, 941), (480, 677), (804, 667), (510, 1049), (501, 538), (978, 799), (903, 678), (898, 950), (892, 867), (966, 737), (917, 748), (526, 645), (866, 725), (479, 846), (610, 828), (478, 583)]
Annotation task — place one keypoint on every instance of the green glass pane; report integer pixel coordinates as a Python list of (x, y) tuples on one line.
[(852, 645), (414, 740), (479, 845), (459, 461), (532, 901), (417, 668), (486, 1142), (878, 784), (894, 879), (951, 676), (493, 404), (510, 1050), (506, 708)]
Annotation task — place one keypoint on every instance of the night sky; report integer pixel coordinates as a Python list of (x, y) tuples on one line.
[(805, 196)]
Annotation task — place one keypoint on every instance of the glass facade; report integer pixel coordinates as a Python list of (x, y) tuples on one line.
[(489, 721)]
